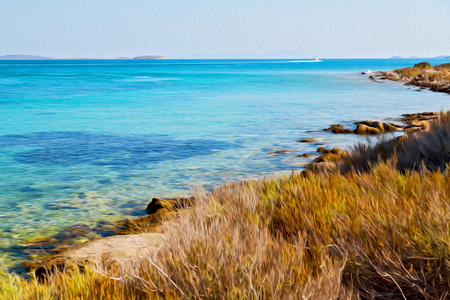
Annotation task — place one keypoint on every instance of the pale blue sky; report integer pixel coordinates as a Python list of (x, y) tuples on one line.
[(334, 28)]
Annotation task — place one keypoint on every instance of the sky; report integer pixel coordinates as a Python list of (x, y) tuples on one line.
[(177, 28)]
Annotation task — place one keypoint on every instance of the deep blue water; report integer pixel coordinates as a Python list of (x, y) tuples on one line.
[(83, 141)]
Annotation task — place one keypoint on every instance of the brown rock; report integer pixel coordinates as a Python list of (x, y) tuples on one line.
[(338, 128), (323, 150), (328, 157), (170, 204), (390, 76), (409, 118), (338, 151), (382, 126), (423, 124), (327, 160), (417, 125), (425, 82), (320, 166), (444, 88), (304, 155), (366, 130)]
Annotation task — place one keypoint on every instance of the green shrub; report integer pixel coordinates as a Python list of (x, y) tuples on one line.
[(423, 66)]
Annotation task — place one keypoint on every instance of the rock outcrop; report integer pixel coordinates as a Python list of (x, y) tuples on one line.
[(375, 127), (338, 128), (423, 75), (327, 160), (419, 121), (169, 204), (366, 128)]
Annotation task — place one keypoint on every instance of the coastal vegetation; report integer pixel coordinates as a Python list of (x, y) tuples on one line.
[(374, 226)]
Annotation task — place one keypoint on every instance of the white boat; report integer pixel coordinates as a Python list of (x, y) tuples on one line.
[(316, 59)]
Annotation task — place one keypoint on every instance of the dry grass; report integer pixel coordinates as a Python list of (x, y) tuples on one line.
[(380, 232), (436, 78), (424, 149), (409, 72)]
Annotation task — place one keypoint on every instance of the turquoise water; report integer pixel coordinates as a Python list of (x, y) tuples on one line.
[(85, 141)]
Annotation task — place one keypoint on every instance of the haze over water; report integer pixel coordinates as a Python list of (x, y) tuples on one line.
[(85, 141)]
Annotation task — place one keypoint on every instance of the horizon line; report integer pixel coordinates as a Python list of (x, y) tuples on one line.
[(221, 58)]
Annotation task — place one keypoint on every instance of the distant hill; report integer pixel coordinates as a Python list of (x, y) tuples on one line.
[(21, 56), (35, 57), (416, 57), (284, 54), (147, 57)]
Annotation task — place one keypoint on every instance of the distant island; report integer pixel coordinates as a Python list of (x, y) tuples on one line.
[(146, 57), (35, 57), (143, 57), (21, 56), (414, 57), (283, 54)]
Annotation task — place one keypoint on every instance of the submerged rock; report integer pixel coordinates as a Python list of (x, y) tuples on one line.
[(309, 140), (279, 151)]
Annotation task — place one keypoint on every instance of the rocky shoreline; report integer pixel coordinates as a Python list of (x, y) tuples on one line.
[(422, 75), (119, 239), (411, 123)]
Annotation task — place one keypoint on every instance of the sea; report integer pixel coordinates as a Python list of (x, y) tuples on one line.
[(84, 141)]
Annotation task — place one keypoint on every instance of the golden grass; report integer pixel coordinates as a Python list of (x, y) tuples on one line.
[(380, 231), (425, 75), (424, 149)]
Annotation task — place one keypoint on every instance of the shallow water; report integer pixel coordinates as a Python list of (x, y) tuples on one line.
[(84, 141)]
